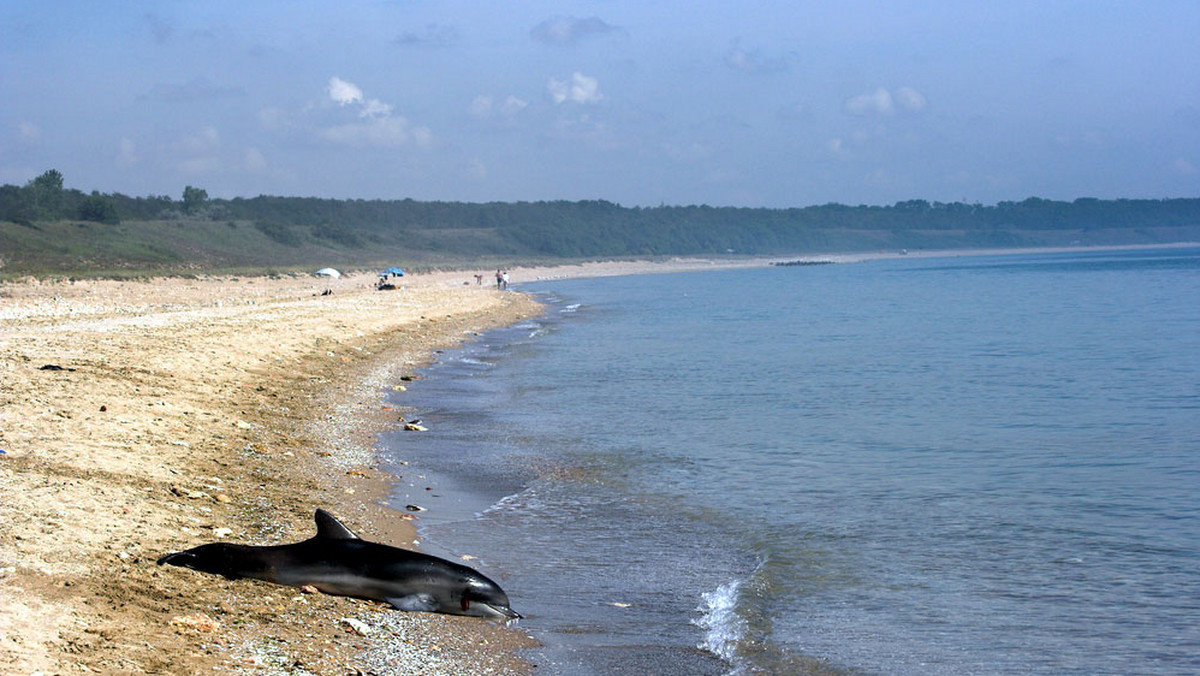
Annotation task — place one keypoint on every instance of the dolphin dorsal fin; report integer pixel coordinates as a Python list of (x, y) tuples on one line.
[(329, 527)]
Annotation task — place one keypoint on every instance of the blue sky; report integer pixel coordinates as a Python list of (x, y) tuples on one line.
[(750, 103)]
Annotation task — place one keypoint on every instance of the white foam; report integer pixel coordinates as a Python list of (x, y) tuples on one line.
[(512, 503), (723, 627)]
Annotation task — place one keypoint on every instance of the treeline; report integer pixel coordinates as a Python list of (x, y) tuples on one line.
[(598, 228), (602, 228), (45, 199)]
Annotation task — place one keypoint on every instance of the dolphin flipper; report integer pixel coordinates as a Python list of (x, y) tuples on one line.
[(329, 527), (420, 602)]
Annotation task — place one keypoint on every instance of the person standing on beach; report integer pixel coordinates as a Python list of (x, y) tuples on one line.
[(504, 280), (499, 278)]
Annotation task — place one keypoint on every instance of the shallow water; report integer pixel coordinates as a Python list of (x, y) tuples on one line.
[(979, 465)]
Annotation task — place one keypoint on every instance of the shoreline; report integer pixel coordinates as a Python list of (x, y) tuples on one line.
[(186, 407)]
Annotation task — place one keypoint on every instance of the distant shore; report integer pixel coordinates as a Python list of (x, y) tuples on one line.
[(689, 264), (141, 417)]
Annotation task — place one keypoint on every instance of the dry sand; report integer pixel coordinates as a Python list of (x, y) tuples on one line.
[(187, 411)]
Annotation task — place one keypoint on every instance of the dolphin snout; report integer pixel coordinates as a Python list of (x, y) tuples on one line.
[(502, 611)]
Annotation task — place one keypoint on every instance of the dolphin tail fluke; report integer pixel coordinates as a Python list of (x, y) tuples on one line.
[(172, 558)]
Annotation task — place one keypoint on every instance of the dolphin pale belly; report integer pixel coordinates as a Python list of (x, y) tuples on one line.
[(336, 561)]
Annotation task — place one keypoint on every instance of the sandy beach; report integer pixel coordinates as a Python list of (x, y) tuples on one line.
[(143, 417), (139, 418)]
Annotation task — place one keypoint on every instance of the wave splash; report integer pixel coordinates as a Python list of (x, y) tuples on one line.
[(723, 628)]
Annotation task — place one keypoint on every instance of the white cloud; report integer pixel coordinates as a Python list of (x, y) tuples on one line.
[(484, 107), (879, 102), (344, 93), (882, 102), (378, 126), (375, 109), (581, 89), (347, 93)]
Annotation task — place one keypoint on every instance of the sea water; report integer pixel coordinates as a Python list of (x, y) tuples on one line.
[(959, 465)]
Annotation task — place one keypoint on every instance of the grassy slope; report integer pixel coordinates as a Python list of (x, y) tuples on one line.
[(131, 249), (83, 249)]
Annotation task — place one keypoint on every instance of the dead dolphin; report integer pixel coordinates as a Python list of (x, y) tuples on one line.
[(336, 561)]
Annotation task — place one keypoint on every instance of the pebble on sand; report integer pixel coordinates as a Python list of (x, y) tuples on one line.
[(199, 622), (358, 627)]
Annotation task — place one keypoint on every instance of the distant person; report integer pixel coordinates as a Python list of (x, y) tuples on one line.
[(499, 278), (504, 280), (478, 280)]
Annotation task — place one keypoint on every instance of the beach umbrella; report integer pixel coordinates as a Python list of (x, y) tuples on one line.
[(328, 272)]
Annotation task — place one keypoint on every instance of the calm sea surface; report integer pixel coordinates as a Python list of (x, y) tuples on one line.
[(969, 465)]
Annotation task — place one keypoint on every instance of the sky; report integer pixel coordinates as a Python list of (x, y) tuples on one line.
[(757, 103)]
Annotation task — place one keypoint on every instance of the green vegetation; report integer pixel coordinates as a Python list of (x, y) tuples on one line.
[(46, 229)]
